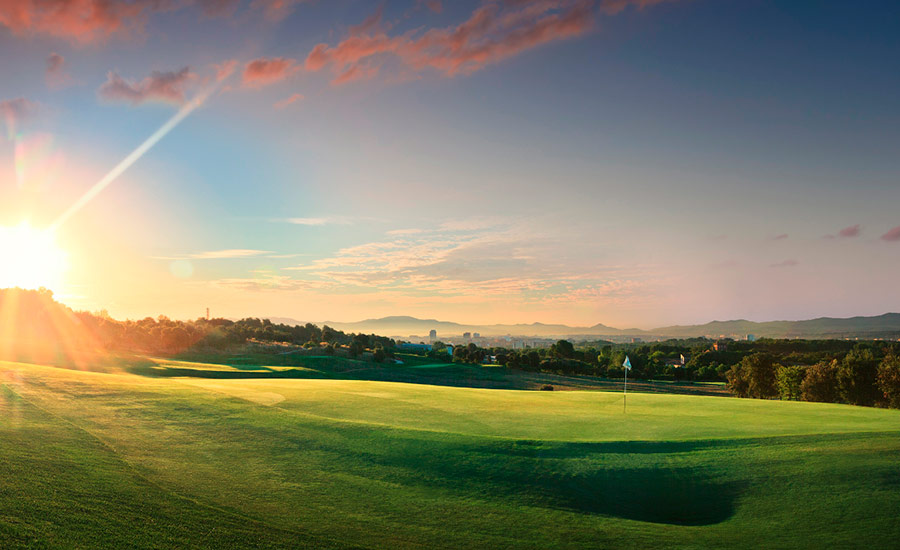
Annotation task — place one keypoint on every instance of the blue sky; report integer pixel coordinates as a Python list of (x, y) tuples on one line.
[(635, 163)]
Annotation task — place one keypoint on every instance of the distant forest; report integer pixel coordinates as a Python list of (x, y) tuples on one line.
[(34, 326)]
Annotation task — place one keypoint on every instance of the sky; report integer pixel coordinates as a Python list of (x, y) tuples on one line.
[(636, 163)]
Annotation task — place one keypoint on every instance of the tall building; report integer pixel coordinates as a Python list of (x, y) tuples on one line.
[(432, 335)]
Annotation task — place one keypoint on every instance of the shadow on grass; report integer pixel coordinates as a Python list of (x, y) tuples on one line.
[(583, 477)]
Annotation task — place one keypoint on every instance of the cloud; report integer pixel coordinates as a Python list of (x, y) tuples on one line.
[(90, 21), (56, 74), (287, 101), (267, 70), (14, 112), (781, 237), (892, 235), (275, 10), (159, 87), (231, 253), (79, 20), (786, 263), (615, 7), (450, 265), (492, 33), (850, 232), (324, 220), (218, 8)]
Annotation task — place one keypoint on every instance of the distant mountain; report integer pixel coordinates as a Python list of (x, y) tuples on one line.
[(881, 326)]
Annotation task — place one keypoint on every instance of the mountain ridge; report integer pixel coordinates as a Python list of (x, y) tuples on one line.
[(886, 325)]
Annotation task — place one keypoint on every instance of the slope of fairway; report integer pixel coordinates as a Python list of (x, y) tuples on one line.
[(124, 460)]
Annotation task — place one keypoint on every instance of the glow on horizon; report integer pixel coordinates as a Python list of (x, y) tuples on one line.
[(31, 258)]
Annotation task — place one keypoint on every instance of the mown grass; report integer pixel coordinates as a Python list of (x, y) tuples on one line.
[(414, 370), (98, 460)]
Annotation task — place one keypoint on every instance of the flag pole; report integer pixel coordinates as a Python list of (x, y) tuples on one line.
[(625, 392)]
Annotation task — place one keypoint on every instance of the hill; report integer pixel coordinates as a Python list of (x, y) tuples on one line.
[(881, 326)]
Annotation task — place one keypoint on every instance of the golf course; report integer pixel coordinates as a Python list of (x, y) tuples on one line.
[(116, 459)]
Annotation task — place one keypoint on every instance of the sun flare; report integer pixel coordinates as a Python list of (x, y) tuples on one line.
[(30, 258)]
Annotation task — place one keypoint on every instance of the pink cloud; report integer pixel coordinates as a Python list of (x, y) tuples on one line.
[(848, 232), (80, 20), (267, 70), (786, 263), (288, 101), (781, 237), (892, 235), (16, 111), (275, 10), (88, 21), (56, 75), (492, 33), (614, 7), (160, 87)]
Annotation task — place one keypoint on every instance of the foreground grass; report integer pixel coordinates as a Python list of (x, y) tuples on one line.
[(98, 460)]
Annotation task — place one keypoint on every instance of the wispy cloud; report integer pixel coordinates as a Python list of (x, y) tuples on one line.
[(159, 87), (56, 74), (492, 33), (893, 235), (457, 261), (230, 253), (14, 112), (847, 232), (614, 7), (288, 101), (786, 263), (314, 221), (91, 21), (266, 71)]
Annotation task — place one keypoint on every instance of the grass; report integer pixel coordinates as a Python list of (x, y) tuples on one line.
[(414, 369), (113, 459)]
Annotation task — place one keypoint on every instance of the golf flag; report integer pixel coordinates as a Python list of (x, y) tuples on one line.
[(627, 363)]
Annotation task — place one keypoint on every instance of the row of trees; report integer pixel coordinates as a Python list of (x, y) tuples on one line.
[(859, 378)]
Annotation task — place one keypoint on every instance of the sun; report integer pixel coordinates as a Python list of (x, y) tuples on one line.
[(30, 258)]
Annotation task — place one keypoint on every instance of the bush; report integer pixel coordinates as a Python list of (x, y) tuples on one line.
[(546, 387), (820, 383)]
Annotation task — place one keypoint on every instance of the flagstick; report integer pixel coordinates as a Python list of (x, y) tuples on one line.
[(625, 392)]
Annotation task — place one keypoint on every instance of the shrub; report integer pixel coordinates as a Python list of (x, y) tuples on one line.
[(546, 387)]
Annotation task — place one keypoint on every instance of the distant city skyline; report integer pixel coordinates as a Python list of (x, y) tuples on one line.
[(636, 163)]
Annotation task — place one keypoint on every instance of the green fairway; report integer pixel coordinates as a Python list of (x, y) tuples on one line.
[(92, 459)]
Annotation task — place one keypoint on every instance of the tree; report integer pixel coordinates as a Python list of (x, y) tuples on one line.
[(857, 376), (820, 383), (788, 381), (379, 355), (563, 349), (753, 377), (737, 381), (889, 380)]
